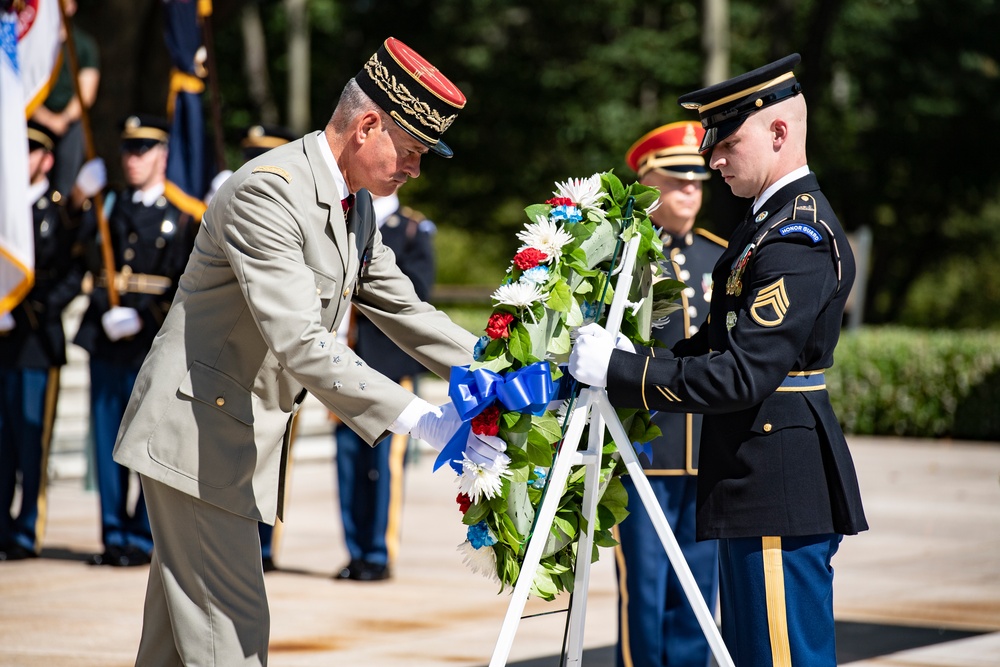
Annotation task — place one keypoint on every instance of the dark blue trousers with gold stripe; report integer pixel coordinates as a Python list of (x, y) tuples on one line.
[(656, 625), (27, 407), (776, 595)]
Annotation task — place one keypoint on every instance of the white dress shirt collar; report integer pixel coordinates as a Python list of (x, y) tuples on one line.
[(331, 162), (778, 184), (148, 197)]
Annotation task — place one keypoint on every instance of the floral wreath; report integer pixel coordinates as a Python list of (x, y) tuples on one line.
[(559, 279)]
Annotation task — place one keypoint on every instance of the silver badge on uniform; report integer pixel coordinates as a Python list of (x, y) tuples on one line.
[(730, 320)]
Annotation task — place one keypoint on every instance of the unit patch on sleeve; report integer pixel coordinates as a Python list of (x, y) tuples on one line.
[(771, 305)]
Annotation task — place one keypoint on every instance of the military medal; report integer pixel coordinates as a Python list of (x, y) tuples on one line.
[(730, 320), (734, 286)]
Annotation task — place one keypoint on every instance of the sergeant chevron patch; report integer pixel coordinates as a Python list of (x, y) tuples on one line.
[(771, 305)]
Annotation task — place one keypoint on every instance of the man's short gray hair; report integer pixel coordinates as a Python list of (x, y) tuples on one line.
[(353, 102)]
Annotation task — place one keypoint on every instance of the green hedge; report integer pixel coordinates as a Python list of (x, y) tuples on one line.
[(918, 383)]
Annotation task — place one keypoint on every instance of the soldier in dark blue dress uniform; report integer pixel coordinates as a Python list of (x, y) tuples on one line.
[(656, 626), (257, 140), (32, 351), (777, 486), (151, 240), (370, 479)]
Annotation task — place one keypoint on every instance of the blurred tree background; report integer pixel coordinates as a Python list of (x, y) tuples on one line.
[(903, 102)]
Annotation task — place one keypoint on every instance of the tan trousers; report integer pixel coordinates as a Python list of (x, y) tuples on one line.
[(206, 605)]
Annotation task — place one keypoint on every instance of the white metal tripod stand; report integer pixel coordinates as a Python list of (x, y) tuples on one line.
[(594, 405)]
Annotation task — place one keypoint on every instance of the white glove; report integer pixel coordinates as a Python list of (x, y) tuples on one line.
[(121, 322), (92, 178), (486, 450), (624, 344), (588, 362), (436, 425), (7, 322)]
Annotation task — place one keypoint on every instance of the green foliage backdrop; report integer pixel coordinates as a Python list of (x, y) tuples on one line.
[(902, 110)]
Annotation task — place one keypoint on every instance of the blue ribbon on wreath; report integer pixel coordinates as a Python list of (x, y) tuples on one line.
[(528, 389)]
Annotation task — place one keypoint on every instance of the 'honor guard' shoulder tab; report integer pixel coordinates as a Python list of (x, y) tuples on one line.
[(271, 169)]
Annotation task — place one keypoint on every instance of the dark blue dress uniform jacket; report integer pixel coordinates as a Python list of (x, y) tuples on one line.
[(676, 451), (773, 462), (408, 234), (153, 241), (38, 339)]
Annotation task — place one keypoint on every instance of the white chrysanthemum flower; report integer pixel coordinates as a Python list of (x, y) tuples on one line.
[(652, 207), (519, 294), (545, 235), (480, 561), (585, 192), (479, 481)]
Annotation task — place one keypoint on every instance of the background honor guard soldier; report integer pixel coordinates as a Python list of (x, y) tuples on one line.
[(32, 350), (151, 240), (257, 140), (777, 486), (370, 479), (656, 626), (285, 246)]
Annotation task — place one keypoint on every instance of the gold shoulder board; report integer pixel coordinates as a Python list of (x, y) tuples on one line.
[(269, 169)]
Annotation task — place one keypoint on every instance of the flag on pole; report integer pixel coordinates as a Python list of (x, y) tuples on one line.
[(189, 169), (29, 46), (39, 49)]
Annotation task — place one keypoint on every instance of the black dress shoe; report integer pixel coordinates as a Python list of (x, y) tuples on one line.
[(134, 556), (373, 572), (268, 564), (15, 552), (113, 555), (351, 571)]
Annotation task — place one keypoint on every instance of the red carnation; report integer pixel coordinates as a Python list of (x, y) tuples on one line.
[(464, 502), (487, 422), (497, 326), (560, 201), (529, 258)]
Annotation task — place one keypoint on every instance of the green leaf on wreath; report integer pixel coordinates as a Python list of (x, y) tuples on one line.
[(560, 298), (476, 513), (520, 342), (560, 343), (519, 508), (574, 317), (536, 210), (545, 428), (542, 586)]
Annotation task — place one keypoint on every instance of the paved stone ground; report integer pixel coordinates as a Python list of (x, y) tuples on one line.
[(920, 589)]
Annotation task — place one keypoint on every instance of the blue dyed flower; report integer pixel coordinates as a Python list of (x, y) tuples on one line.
[(589, 310), (567, 213), (540, 475), (536, 276), (480, 348), (480, 536)]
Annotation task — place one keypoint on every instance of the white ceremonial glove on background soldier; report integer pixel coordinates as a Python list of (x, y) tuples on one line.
[(121, 322), (436, 424), (588, 362), (7, 322), (92, 178)]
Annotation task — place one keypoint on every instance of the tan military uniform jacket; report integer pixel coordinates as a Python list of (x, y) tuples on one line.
[(273, 270)]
